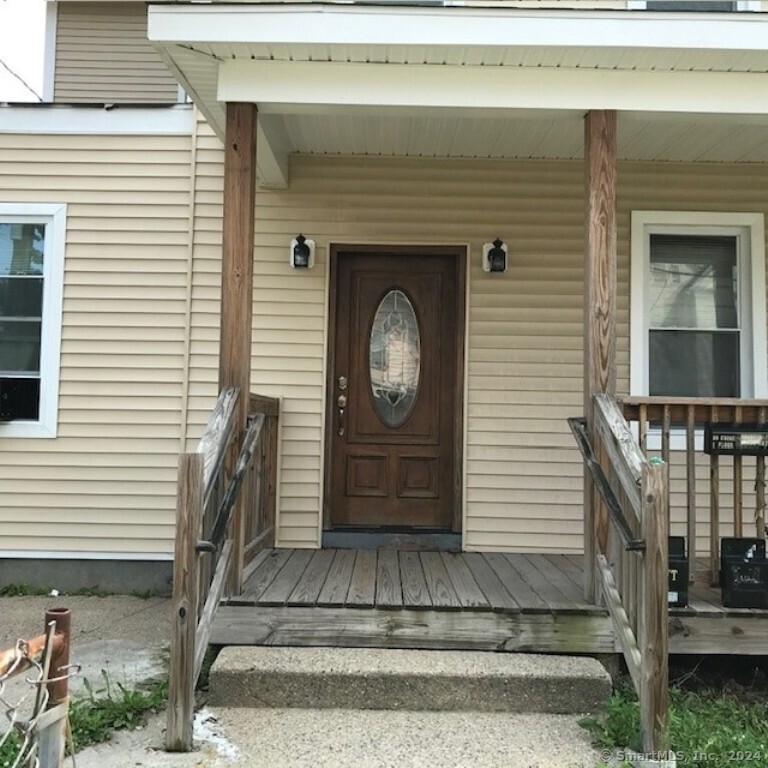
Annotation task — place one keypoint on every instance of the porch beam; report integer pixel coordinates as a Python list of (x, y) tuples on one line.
[(600, 151), (273, 151), (237, 282), (327, 87)]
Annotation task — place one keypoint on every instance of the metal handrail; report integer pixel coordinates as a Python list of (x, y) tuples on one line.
[(631, 543)]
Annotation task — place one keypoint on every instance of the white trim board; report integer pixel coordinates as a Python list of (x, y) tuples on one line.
[(479, 27), (327, 87), (49, 65), (85, 120)]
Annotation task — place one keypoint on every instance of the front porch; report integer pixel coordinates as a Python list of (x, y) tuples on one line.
[(489, 601), (543, 343)]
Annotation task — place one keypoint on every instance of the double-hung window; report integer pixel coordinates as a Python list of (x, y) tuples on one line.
[(698, 304), (31, 276)]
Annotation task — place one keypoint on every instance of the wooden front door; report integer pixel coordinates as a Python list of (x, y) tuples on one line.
[(396, 368)]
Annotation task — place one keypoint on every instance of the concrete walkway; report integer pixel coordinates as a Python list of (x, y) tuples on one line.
[(128, 637)]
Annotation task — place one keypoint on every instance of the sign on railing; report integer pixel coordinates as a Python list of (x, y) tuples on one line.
[(736, 439)]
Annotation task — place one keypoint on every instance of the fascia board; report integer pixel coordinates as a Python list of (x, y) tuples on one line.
[(92, 119), (326, 87), (303, 25)]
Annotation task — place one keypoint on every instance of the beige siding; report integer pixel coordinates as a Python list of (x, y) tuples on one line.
[(524, 370), (107, 483), (138, 313), (695, 187), (206, 282), (524, 477), (103, 55)]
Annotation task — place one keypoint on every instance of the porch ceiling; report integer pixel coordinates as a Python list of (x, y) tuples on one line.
[(459, 82)]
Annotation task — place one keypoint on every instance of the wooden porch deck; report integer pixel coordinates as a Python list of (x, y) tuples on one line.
[(489, 601)]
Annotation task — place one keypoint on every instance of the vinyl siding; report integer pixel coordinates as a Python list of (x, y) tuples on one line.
[(141, 327), (206, 282), (695, 187), (108, 482), (523, 481), (524, 369), (103, 55)]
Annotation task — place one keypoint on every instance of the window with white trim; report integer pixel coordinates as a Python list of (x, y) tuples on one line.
[(705, 6), (31, 279), (698, 322)]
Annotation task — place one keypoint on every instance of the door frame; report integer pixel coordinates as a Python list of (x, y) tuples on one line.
[(460, 254)]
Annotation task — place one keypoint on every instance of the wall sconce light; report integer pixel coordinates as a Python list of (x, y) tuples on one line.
[(495, 256), (302, 255)]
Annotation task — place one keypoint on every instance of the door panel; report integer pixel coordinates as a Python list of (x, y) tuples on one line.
[(395, 388)]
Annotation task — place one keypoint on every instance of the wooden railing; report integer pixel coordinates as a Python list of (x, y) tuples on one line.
[(213, 483), (262, 483), (734, 483), (631, 555)]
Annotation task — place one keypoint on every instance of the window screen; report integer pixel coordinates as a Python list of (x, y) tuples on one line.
[(694, 325)]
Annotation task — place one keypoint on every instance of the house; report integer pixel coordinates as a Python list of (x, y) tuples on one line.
[(401, 140)]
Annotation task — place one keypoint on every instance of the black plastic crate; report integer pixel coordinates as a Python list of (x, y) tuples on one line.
[(677, 594), (738, 547), (743, 573)]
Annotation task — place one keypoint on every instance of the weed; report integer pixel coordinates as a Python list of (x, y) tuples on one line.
[(145, 594), (23, 590), (114, 707), (93, 591), (708, 729), (9, 750), (94, 716), (28, 590)]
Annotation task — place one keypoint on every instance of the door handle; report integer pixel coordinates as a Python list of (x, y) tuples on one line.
[(341, 404)]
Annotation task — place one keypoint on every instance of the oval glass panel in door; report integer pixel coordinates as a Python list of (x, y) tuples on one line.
[(394, 357)]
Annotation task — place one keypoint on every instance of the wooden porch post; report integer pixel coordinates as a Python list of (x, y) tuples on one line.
[(599, 307), (237, 283), (654, 619)]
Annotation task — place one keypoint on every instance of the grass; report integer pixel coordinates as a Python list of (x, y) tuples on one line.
[(26, 590), (23, 590), (94, 716), (708, 728)]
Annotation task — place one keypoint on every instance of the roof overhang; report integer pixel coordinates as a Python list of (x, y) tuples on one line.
[(318, 65)]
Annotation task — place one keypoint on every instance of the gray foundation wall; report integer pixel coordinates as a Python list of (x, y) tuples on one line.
[(117, 576)]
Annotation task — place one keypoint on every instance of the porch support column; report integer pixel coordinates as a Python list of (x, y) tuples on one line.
[(237, 283), (599, 307)]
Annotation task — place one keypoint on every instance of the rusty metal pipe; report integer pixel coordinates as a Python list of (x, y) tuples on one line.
[(31, 651), (58, 688)]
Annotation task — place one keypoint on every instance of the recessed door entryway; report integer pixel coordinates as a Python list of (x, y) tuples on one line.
[(395, 387)]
